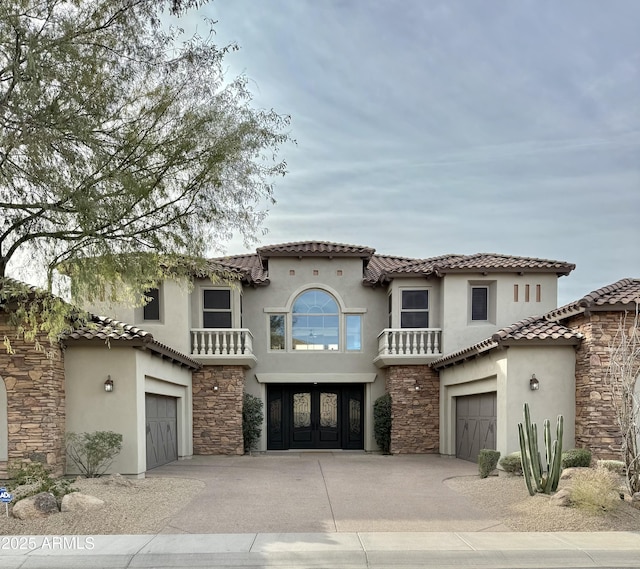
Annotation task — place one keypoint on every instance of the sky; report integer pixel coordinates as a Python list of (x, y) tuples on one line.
[(426, 127)]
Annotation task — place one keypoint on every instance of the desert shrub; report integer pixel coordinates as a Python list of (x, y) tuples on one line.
[(595, 490), (382, 422), (93, 452), (252, 418), (577, 457), (512, 463), (615, 466), (487, 461), (31, 478)]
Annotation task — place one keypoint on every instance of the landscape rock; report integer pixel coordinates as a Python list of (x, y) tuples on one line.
[(561, 498), (118, 480), (38, 506), (569, 473), (78, 502), (635, 500)]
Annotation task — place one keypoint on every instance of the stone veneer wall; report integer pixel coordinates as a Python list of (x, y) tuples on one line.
[(217, 415), (415, 414), (35, 386), (596, 427)]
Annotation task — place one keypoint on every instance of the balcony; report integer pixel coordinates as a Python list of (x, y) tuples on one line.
[(223, 346), (408, 346)]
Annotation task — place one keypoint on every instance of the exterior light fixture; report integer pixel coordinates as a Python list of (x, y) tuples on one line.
[(417, 388), (108, 385), (215, 387), (534, 384)]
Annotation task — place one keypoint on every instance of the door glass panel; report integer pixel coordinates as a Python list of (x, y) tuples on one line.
[(329, 410), (301, 410), (354, 418), (275, 417)]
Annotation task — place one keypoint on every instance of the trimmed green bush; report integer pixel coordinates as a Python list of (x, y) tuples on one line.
[(512, 463), (93, 452), (382, 422), (252, 418), (615, 466), (577, 457), (487, 461)]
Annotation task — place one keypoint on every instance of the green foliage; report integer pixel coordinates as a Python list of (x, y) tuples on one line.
[(126, 149), (252, 418), (596, 490), (93, 452), (546, 476), (577, 457), (512, 463), (31, 478), (487, 461), (382, 422), (615, 466)]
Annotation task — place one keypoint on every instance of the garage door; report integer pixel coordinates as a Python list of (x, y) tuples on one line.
[(162, 432), (475, 425)]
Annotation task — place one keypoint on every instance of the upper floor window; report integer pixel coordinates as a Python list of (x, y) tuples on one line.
[(216, 308), (315, 322), (414, 311), (479, 303), (151, 310)]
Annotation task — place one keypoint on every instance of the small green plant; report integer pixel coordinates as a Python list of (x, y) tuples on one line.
[(615, 466), (487, 461), (596, 490), (382, 422), (31, 478), (93, 452), (252, 418), (512, 463), (576, 458)]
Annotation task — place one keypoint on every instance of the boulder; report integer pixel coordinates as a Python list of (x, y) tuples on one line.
[(569, 473), (635, 500), (561, 498), (38, 506), (118, 480), (77, 502)]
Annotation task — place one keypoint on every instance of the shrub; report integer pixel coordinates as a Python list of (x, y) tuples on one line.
[(487, 461), (93, 452), (595, 490), (512, 463), (252, 418), (577, 457), (615, 466), (382, 422), (33, 478)]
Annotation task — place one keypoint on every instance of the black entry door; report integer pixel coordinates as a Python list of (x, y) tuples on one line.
[(307, 416)]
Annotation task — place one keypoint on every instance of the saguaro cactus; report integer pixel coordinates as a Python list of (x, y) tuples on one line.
[(544, 480)]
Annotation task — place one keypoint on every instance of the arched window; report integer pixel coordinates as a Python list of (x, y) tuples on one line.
[(315, 321)]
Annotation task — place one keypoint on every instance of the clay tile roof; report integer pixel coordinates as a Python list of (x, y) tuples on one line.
[(247, 266), (533, 328), (492, 262), (315, 248), (108, 329)]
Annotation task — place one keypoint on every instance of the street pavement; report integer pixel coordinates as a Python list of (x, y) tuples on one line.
[(333, 510)]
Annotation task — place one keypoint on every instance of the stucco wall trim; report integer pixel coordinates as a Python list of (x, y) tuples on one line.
[(315, 377)]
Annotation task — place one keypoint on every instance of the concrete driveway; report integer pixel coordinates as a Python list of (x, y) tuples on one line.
[(325, 492)]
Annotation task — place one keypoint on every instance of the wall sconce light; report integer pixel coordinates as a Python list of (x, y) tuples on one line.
[(215, 387), (417, 388), (108, 385), (534, 384)]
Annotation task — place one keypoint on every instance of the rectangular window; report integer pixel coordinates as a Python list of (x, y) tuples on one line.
[(538, 293), (479, 303), (216, 308), (152, 308), (414, 312), (276, 331), (354, 332), (390, 311), (515, 293), (526, 293)]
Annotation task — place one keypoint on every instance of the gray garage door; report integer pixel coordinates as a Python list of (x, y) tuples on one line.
[(162, 432), (475, 424)]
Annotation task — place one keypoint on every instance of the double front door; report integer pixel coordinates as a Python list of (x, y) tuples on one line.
[(309, 416)]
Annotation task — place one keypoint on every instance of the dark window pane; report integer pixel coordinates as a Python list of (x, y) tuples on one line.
[(217, 299), (276, 326), (216, 319), (479, 304), (414, 320), (152, 309), (415, 299)]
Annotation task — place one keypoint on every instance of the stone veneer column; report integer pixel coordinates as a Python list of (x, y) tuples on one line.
[(596, 427), (34, 382), (415, 414), (217, 414)]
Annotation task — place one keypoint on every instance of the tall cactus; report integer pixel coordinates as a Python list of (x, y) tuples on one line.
[(544, 480)]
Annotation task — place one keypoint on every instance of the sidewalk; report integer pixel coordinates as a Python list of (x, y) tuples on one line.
[(384, 550)]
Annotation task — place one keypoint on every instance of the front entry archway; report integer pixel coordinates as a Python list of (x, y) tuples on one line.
[(311, 416)]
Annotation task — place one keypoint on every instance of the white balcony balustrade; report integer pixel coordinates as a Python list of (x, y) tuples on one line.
[(408, 345), (222, 346)]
